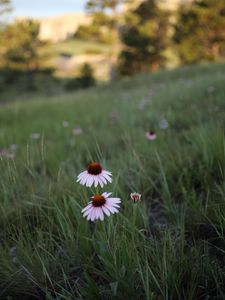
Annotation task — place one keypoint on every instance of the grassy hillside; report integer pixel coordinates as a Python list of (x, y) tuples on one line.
[(168, 246), (67, 57), (75, 47)]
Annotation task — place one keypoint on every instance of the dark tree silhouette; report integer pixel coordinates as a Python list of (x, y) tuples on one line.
[(145, 37), (200, 31)]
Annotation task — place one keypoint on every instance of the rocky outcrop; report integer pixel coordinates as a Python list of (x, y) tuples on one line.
[(59, 28)]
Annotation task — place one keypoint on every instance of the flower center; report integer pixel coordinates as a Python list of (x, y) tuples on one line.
[(98, 200), (94, 168), (151, 132)]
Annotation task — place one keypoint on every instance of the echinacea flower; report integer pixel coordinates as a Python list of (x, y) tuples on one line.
[(94, 175), (10, 154), (135, 197), (65, 124), (12, 147), (151, 135), (114, 117), (142, 104), (163, 124), (211, 89), (35, 136), (100, 205), (77, 131), (2, 153)]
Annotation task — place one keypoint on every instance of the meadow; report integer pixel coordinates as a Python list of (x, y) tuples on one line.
[(171, 244)]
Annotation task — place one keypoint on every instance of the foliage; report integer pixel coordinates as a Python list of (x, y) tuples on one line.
[(104, 19), (19, 44), (98, 30), (100, 5), (5, 6), (170, 245), (87, 75), (199, 31), (144, 37), (19, 49), (85, 80)]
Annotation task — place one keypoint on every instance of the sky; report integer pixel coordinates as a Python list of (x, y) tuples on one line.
[(43, 8)]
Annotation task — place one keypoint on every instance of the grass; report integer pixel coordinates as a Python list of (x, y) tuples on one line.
[(169, 246), (74, 47), (96, 54)]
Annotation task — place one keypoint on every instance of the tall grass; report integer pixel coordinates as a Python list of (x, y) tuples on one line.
[(170, 245)]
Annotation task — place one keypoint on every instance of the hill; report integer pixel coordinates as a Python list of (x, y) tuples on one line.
[(60, 28), (168, 246), (68, 56)]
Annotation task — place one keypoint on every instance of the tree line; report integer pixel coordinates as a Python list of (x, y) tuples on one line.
[(139, 32), (194, 32)]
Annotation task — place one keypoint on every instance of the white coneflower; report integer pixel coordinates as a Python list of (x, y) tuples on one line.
[(135, 197), (94, 175), (100, 205), (151, 135), (77, 131), (211, 89), (2, 153), (65, 124), (163, 124), (142, 104), (13, 147), (10, 154), (114, 117), (35, 136)]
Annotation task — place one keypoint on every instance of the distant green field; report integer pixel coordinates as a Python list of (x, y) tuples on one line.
[(75, 47), (170, 245), (83, 51)]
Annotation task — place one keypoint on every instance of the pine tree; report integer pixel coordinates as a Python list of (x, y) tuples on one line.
[(19, 45), (19, 52), (108, 8), (5, 8), (200, 31), (144, 37)]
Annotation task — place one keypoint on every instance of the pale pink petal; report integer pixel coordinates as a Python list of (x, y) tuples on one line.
[(98, 211), (115, 205), (100, 182), (115, 210), (101, 215), (81, 180), (84, 179), (96, 181), (102, 178), (87, 212), (87, 207), (90, 181), (110, 208), (107, 172), (106, 177), (82, 174), (78, 179), (105, 210), (87, 180), (106, 195), (113, 200), (90, 213), (93, 214)]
